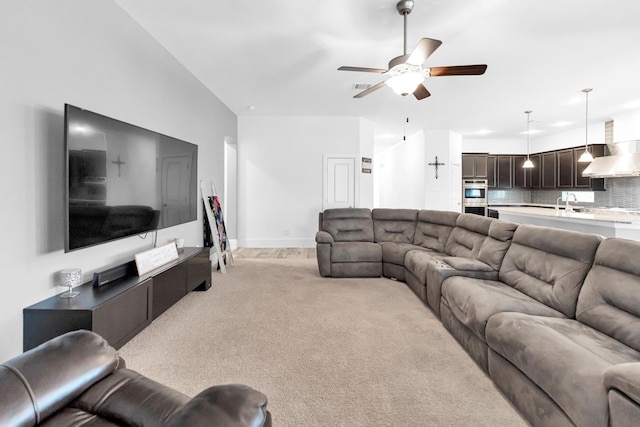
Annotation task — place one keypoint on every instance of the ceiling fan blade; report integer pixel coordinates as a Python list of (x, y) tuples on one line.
[(370, 90), (363, 69), (421, 92), (458, 70), (423, 50)]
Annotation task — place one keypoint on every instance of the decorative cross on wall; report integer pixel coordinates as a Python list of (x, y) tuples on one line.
[(120, 163), (436, 164)]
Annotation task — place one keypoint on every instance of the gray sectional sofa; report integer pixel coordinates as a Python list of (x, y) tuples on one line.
[(552, 316)]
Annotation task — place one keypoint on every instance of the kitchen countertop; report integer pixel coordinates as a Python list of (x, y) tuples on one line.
[(583, 214), (610, 222)]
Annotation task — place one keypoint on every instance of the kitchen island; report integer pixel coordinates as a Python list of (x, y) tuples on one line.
[(606, 222)]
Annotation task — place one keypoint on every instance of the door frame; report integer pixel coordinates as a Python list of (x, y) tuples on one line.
[(325, 178)]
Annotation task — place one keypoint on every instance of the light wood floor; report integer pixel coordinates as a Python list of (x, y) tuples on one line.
[(274, 253)]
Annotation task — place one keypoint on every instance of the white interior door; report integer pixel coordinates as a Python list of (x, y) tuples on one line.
[(339, 182)]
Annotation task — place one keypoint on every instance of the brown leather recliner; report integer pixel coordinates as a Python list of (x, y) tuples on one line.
[(78, 379)]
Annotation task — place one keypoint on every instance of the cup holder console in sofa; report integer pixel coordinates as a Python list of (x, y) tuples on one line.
[(552, 316)]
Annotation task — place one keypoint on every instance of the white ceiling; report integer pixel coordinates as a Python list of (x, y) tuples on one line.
[(279, 57)]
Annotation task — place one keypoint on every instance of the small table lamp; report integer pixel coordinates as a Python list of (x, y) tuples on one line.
[(70, 277)]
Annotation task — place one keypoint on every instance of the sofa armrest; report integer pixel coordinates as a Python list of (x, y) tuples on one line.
[(467, 264), (624, 377), (324, 237), (230, 405)]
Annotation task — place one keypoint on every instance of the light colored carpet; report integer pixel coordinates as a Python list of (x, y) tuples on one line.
[(326, 352)]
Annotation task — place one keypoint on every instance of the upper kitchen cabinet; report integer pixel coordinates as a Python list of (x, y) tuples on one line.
[(557, 169), (597, 184), (491, 171), (504, 172), (565, 173), (520, 174), (548, 170), (474, 166), (534, 174)]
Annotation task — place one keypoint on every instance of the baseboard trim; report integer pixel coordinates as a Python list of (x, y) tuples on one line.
[(277, 243)]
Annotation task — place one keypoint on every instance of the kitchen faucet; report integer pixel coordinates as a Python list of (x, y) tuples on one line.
[(568, 207)]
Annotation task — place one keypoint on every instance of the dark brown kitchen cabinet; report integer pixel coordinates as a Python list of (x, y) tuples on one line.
[(519, 173), (474, 165), (491, 171), (548, 170), (534, 172), (564, 176), (504, 171), (597, 150)]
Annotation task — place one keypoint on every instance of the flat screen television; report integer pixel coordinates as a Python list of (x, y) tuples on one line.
[(123, 180)]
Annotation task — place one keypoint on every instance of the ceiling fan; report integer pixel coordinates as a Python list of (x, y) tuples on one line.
[(407, 72)]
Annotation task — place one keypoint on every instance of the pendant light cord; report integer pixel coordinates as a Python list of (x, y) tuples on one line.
[(586, 120)]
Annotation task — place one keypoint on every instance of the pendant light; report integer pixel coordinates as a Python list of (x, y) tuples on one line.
[(528, 164), (586, 156)]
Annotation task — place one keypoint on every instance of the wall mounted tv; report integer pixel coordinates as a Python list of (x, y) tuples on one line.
[(123, 180)]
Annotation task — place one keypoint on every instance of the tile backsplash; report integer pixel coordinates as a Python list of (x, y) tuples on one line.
[(619, 193)]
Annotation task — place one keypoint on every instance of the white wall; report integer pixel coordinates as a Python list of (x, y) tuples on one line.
[(366, 150), (623, 128), (406, 180), (91, 54), (443, 193), (401, 173), (497, 146), (280, 161)]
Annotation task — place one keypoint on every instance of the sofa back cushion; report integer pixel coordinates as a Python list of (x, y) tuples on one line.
[(468, 235), (394, 225), (610, 297), (42, 381), (549, 264), (433, 228), (495, 246), (348, 224)]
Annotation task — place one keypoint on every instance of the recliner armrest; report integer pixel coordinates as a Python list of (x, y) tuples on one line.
[(624, 377), (230, 405), (324, 237)]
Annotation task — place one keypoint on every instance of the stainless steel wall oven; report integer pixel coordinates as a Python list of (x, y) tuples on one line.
[(474, 196)]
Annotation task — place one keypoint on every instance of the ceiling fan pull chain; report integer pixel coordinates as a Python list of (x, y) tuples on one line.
[(404, 131)]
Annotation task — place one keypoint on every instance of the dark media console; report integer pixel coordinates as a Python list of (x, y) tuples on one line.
[(121, 309)]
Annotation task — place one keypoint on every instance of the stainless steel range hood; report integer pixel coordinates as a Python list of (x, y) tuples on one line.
[(625, 161)]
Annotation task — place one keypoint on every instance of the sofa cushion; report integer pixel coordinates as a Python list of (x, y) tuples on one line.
[(563, 357), (394, 253), (468, 235), (356, 252), (474, 301), (438, 270), (495, 246), (610, 298), (433, 228), (549, 264), (394, 225), (348, 224), (416, 262)]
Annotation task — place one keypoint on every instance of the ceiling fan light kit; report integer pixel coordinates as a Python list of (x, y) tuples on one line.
[(406, 71), (405, 83)]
